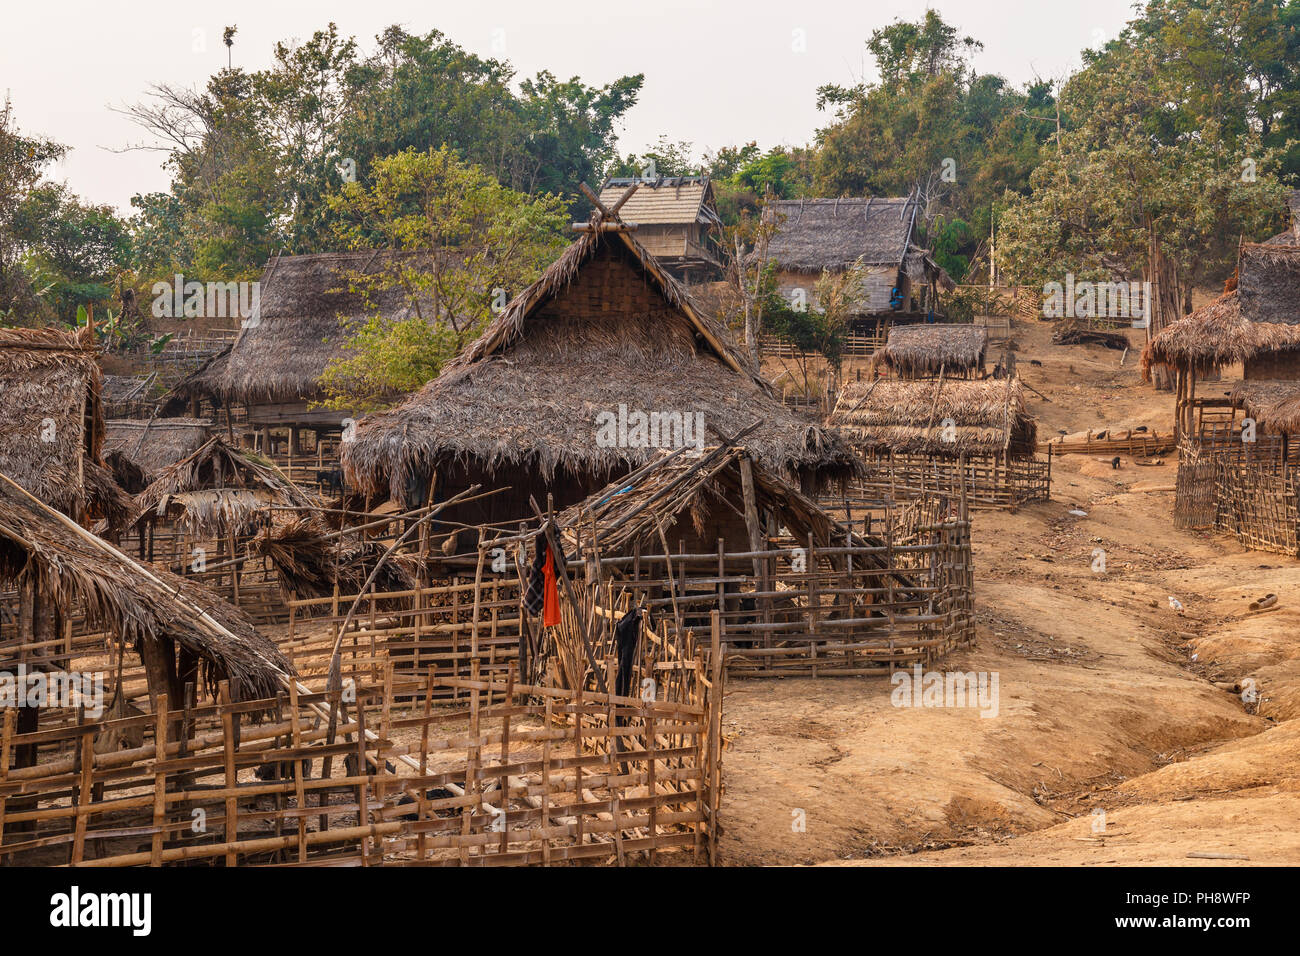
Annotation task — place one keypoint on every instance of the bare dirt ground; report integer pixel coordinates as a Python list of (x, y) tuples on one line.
[(1121, 735)]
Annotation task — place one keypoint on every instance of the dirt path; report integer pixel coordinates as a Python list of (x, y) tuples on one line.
[(1121, 734)]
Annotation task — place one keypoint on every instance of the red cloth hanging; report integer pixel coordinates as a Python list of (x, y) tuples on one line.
[(550, 593)]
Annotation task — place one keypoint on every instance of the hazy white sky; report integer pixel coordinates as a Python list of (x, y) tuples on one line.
[(717, 71)]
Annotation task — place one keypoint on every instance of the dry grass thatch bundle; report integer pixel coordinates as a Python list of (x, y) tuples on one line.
[(913, 351), (604, 327), (945, 418), (135, 601), (51, 408), (1216, 335), (218, 490)]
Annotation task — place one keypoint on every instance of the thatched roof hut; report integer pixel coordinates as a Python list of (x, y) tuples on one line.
[(829, 235), (604, 333), (1268, 283), (940, 418), (218, 490), (51, 409), (1214, 336), (676, 493), (149, 446), (139, 603), (919, 351), (676, 217), (307, 305)]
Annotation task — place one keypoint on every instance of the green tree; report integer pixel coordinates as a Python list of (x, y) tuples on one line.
[(1147, 165), (23, 160), (484, 243)]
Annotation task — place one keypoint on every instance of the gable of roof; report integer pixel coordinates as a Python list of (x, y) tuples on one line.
[(816, 234)]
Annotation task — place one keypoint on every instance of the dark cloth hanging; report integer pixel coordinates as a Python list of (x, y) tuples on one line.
[(627, 634)]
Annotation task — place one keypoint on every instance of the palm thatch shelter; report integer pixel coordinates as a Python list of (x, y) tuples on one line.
[(308, 305), (182, 632), (582, 377), (53, 419), (930, 434), (1255, 325), (1268, 282), (1273, 405), (139, 450), (928, 350), (201, 515), (217, 491), (677, 221), (879, 234)]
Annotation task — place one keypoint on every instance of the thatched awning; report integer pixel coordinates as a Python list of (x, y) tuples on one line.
[(916, 350), (1275, 405), (633, 509), (155, 444), (574, 346), (135, 601), (50, 407), (945, 417), (1215, 335), (217, 490), (1268, 282)]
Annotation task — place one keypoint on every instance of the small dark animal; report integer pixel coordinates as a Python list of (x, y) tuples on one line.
[(1114, 462), (281, 770), (1036, 362), (436, 793), (350, 766), (331, 481)]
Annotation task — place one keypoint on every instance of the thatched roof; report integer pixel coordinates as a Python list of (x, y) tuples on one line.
[(604, 326), (1268, 283), (307, 304), (663, 201), (218, 489), (813, 235), (634, 508), (1275, 405), (987, 417), (154, 444), (917, 350), (1215, 335), (51, 412), (138, 602)]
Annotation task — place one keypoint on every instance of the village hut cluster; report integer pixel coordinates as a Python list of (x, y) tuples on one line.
[(595, 514), (1237, 440)]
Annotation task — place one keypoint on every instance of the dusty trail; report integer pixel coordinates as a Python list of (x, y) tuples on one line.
[(1110, 701)]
